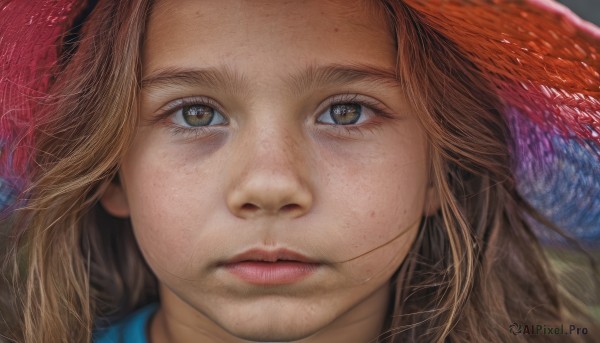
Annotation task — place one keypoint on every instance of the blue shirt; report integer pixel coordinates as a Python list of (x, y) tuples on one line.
[(131, 329)]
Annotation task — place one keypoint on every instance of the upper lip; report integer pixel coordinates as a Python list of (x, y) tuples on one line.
[(262, 255)]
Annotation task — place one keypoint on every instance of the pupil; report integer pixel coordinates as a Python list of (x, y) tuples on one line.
[(345, 113), (198, 115)]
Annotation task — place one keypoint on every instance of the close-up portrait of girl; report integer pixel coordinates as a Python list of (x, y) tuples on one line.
[(298, 171)]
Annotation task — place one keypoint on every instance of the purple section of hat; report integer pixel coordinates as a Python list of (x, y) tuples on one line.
[(558, 175)]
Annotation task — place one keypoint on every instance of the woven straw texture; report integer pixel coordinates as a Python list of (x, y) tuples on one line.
[(545, 65)]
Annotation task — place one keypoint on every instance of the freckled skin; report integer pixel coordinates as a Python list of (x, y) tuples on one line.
[(272, 177)]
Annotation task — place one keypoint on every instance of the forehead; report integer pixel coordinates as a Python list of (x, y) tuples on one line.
[(244, 34)]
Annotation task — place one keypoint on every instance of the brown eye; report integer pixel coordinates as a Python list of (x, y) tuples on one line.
[(198, 115), (345, 114)]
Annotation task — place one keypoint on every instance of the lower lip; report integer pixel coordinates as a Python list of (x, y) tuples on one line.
[(272, 273)]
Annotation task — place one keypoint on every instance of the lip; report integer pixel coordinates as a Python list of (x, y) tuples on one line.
[(271, 267), (262, 255)]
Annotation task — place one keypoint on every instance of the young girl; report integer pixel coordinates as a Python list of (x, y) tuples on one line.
[(315, 171)]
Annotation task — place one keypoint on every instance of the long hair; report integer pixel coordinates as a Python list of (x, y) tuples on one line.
[(475, 267), (58, 278)]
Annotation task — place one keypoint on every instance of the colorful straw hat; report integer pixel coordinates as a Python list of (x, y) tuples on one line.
[(542, 59)]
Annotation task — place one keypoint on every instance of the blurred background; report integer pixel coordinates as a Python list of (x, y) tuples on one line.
[(586, 9)]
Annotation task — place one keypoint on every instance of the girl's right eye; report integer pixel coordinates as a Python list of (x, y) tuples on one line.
[(197, 115)]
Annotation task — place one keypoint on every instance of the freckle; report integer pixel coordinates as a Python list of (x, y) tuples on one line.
[(336, 29)]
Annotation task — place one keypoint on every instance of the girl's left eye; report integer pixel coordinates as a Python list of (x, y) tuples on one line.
[(197, 115), (343, 114)]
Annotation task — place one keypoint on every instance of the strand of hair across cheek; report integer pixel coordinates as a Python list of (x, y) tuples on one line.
[(383, 266)]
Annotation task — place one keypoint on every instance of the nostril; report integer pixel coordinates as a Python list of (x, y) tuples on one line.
[(289, 207), (249, 207)]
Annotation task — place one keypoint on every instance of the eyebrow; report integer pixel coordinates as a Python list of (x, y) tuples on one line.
[(310, 77), (337, 74), (223, 78)]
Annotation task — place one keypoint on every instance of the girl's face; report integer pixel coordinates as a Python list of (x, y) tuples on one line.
[(272, 126)]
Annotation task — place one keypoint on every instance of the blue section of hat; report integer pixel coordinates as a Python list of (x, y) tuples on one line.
[(564, 186), (8, 189), (7, 195)]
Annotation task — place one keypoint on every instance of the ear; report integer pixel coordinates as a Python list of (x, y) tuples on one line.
[(432, 200), (114, 200)]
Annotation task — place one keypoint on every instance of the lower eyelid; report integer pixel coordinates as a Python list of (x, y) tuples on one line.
[(196, 133)]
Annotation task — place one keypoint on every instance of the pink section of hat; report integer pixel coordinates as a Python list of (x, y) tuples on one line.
[(30, 38)]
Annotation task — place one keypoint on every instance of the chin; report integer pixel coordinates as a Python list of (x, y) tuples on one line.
[(280, 335), (274, 326), (272, 332)]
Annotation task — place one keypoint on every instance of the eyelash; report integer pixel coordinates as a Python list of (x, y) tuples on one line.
[(206, 131)]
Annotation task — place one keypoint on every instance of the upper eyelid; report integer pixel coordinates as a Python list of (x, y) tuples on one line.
[(344, 98), (356, 98), (197, 100), (375, 104)]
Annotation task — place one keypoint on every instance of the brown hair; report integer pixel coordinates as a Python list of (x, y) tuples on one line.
[(477, 266), (75, 267), (474, 268)]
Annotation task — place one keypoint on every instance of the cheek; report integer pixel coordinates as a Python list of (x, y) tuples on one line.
[(168, 198), (376, 195), (379, 225)]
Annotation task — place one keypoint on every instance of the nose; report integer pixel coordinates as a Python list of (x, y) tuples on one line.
[(271, 178)]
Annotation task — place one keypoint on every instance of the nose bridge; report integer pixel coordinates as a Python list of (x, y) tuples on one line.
[(271, 172), (275, 149)]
